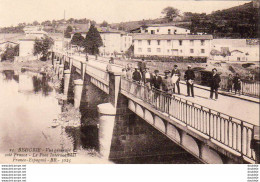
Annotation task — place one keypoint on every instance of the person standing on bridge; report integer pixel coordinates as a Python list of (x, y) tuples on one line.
[(230, 83), (137, 76), (214, 83), (157, 86), (189, 77), (147, 83), (237, 84), (129, 71), (175, 75)]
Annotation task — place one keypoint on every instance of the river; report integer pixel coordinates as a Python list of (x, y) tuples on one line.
[(29, 109)]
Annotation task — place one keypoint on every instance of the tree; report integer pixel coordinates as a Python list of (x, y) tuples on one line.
[(77, 39), (104, 24), (170, 13), (10, 52), (42, 46), (35, 23), (68, 31), (93, 41)]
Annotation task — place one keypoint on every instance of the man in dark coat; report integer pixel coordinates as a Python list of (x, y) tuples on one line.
[(157, 86), (157, 80), (237, 84), (137, 75), (214, 83), (189, 77), (176, 72)]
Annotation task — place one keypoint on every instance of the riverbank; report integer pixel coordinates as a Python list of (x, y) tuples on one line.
[(32, 65)]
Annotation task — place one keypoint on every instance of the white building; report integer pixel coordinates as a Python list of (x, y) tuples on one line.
[(36, 31), (240, 49), (163, 29), (26, 46), (114, 42), (172, 45)]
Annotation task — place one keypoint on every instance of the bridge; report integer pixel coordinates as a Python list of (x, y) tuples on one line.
[(204, 128)]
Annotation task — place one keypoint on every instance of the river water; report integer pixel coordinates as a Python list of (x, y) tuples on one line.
[(29, 109)]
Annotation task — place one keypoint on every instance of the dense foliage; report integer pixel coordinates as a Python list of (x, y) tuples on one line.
[(10, 52), (68, 31), (170, 13), (78, 40), (93, 41), (42, 46)]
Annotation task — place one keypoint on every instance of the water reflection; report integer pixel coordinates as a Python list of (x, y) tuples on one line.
[(28, 108), (29, 105)]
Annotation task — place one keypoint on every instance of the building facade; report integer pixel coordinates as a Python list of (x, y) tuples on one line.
[(114, 42), (164, 29), (172, 45)]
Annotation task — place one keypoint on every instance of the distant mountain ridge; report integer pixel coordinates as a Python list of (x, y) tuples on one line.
[(236, 22)]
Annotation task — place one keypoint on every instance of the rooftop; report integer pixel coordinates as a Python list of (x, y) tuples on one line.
[(171, 37)]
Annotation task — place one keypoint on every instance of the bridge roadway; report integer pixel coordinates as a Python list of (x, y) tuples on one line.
[(232, 106), (227, 124)]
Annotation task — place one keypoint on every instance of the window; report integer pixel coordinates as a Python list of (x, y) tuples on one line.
[(202, 50), (146, 31), (139, 49), (180, 42), (139, 42), (175, 31), (158, 49), (158, 30), (149, 42), (192, 42), (152, 31), (191, 51), (169, 31), (158, 42), (149, 50), (202, 42), (168, 42)]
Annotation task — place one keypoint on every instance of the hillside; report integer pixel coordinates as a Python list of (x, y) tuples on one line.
[(236, 22)]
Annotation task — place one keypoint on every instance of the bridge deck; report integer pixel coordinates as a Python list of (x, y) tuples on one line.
[(232, 106)]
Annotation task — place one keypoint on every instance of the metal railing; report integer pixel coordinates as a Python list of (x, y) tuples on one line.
[(231, 132), (247, 88), (96, 72)]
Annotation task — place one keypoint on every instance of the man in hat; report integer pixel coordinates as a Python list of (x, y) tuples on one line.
[(157, 86), (189, 77), (147, 83), (167, 82), (157, 80), (214, 83), (137, 75), (175, 75), (147, 77)]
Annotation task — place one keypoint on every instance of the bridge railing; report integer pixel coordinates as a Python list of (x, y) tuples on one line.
[(247, 88), (231, 133)]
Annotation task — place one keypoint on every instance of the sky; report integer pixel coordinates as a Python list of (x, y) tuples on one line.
[(13, 12)]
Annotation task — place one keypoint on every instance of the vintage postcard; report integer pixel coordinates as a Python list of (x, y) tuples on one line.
[(129, 82)]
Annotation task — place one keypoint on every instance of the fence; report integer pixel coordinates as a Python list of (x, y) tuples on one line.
[(229, 131), (247, 88)]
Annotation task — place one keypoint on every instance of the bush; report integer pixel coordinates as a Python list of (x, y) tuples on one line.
[(9, 53)]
